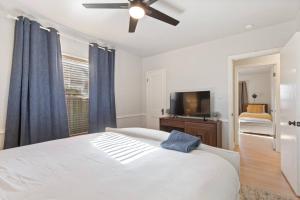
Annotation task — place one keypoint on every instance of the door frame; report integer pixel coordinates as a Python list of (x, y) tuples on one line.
[(233, 134), (164, 90)]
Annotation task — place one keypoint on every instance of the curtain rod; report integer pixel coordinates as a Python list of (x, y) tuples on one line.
[(63, 35)]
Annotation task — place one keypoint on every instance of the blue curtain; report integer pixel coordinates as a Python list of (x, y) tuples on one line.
[(36, 104), (102, 111)]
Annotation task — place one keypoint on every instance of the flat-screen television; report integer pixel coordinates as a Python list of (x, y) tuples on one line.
[(190, 104)]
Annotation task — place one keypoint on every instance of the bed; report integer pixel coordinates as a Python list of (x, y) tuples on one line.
[(87, 167), (256, 120)]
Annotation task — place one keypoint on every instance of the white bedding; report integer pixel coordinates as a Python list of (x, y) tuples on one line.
[(257, 128), (254, 120), (96, 166), (256, 125)]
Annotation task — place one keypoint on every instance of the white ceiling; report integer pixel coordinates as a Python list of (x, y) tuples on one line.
[(200, 20)]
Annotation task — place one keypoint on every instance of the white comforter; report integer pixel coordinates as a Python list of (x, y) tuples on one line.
[(255, 120), (113, 166)]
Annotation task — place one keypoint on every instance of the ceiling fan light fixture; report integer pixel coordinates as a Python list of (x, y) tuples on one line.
[(136, 12)]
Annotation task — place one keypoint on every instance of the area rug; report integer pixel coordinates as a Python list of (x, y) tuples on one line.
[(252, 193)]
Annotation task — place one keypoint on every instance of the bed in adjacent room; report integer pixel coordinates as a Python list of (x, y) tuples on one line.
[(256, 120), (116, 165)]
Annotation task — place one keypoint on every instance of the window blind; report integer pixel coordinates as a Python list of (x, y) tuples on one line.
[(76, 80)]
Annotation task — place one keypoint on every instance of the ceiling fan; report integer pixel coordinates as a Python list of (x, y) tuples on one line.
[(137, 10)]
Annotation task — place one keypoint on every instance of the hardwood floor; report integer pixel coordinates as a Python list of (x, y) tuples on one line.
[(260, 165)]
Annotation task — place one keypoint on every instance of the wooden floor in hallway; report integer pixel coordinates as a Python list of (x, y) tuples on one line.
[(260, 165)]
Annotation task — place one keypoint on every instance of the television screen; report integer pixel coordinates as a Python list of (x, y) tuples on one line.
[(193, 104)]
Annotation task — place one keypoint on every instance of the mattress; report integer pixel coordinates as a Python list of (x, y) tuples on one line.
[(257, 117), (114, 166), (258, 123), (257, 128), (254, 120)]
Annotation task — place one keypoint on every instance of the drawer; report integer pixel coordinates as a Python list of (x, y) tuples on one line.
[(207, 132), (212, 128), (172, 123)]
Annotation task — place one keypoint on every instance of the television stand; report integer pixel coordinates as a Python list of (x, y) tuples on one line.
[(209, 131)]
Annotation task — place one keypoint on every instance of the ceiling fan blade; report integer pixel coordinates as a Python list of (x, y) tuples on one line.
[(107, 5), (132, 24), (160, 16), (150, 2)]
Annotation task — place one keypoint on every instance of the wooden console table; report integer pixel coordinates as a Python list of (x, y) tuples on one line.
[(209, 131)]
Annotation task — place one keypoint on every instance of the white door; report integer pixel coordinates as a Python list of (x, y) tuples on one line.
[(155, 97), (289, 112)]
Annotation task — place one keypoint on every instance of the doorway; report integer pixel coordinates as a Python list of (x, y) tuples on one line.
[(255, 100), (255, 92), (269, 59), (155, 97)]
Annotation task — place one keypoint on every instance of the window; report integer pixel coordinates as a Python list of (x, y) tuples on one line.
[(76, 80)]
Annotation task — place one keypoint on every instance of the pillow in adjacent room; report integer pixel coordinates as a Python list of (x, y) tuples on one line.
[(256, 108)]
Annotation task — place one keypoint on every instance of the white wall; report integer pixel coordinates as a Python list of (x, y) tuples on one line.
[(128, 90), (260, 84), (205, 66), (128, 77), (298, 21)]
